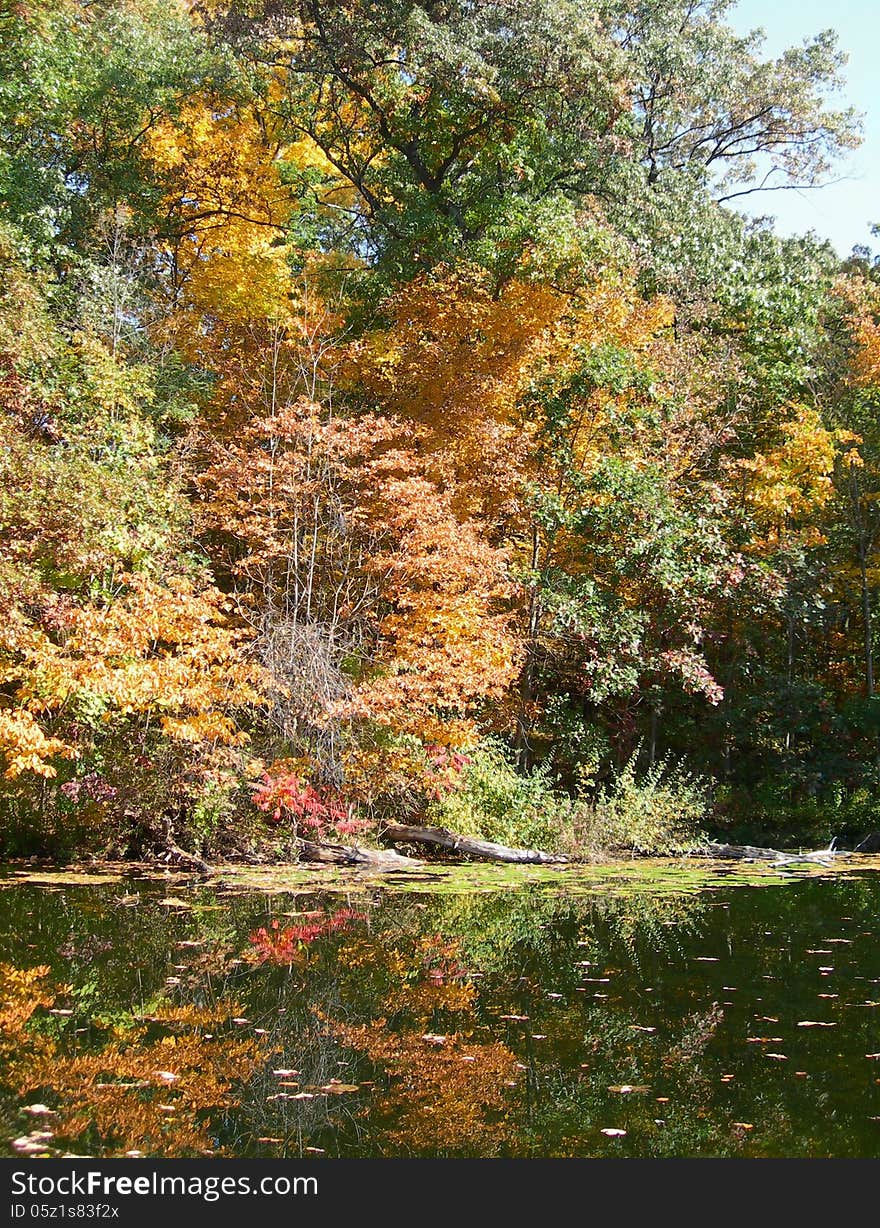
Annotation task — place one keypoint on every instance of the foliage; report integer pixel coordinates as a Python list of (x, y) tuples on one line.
[(652, 811), (494, 801), (393, 413), (281, 794)]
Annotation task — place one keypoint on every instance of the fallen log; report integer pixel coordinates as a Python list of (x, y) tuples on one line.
[(173, 853), (749, 852), (402, 833), (736, 852), (354, 855)]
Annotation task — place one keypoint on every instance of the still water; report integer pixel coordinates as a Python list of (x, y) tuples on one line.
[(655, 1011)]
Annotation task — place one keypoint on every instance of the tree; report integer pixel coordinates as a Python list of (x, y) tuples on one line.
[(704, 101)]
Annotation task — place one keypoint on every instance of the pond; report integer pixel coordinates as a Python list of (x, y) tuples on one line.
[(654, 1009)]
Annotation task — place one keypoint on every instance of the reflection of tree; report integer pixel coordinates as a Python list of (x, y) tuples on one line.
[(503, 932), (445, 1095), (504, 1023), (155, 1088)]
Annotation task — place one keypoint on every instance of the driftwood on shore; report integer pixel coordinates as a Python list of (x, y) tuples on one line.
[(750, 852), (487, 850), (736, 852), (354, 855)]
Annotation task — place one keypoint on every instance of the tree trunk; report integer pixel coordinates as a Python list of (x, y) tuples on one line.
[(526, 680), (487, 850), (748, 852), (353, 855), (862, 551), (866, 616)]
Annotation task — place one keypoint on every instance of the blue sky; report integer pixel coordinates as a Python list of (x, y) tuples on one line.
[(842, 211)]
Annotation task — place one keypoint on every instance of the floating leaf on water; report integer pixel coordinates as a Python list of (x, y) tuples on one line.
[(335, 1088), (743, 1125), (172, 901)]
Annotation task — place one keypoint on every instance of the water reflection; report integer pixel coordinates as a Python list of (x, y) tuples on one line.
[(528, 1022)]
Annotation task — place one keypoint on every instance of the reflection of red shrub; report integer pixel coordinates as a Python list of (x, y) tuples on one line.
[(311, 809), (441, 961), (280, 946)]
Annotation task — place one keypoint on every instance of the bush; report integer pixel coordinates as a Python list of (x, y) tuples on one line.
[(495, 802), (657, 811)]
